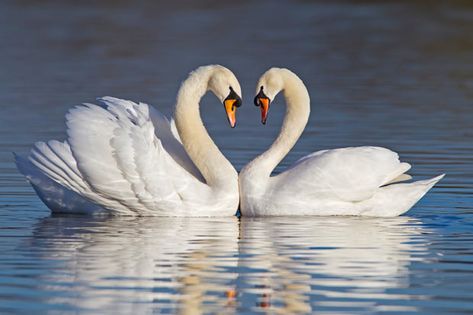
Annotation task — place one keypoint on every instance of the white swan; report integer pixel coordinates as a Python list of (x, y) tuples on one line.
[(125, 158), (346, 181)]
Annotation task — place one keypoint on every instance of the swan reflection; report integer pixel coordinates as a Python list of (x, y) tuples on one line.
[(141, 265), (201, 265), (298, 265)]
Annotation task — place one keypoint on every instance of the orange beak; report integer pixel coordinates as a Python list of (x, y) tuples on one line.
[(264, 105), (230, 108)]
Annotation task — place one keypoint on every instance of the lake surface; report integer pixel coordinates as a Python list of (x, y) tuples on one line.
[(398, 75)]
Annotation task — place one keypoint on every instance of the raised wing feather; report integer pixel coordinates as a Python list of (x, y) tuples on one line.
[(52, 171), (120, 156), (165, 131), (349, 174)]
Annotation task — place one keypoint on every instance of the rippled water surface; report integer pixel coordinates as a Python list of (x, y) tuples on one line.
[(398, 75)]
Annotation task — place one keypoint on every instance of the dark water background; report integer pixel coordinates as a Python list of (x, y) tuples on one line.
[(394, 74)]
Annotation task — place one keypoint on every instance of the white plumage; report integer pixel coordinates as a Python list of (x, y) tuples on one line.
[(346, 181)]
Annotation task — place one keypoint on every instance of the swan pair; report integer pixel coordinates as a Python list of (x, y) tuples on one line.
[(126, 158)]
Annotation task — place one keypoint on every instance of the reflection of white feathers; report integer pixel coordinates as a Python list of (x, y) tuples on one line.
[(348, 181), (293, 257), (138, 265), (222, 265), (125, 158)]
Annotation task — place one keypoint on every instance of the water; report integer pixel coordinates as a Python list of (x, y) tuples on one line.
[(398, 75)]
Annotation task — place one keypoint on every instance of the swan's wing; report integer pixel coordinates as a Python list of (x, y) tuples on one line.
[(122, 159), (58, 194), (165, 131), (350, 174), (52, 171)]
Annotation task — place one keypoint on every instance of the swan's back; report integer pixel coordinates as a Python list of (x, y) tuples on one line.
[(349, 174)]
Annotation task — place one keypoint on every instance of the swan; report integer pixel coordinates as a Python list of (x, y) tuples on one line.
[(126, 158), (360, 181)]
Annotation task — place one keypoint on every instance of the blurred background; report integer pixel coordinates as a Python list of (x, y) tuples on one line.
[(397, 74)]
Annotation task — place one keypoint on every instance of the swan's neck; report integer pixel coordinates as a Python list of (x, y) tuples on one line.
[(212, 164), (295, 120)]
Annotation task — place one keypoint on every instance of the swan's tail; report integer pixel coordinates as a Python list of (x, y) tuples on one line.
[(52, 180), (396, 199)]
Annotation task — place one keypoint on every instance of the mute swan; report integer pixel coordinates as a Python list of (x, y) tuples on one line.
[(125, 158), (346, 181)]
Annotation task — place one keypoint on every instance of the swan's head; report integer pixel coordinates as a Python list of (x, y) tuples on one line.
[(226, 87), (269, 85)]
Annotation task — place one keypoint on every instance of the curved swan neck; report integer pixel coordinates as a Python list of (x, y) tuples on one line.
[(212, 164), (297, 114)]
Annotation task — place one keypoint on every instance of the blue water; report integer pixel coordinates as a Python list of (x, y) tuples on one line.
[(398, 75)]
